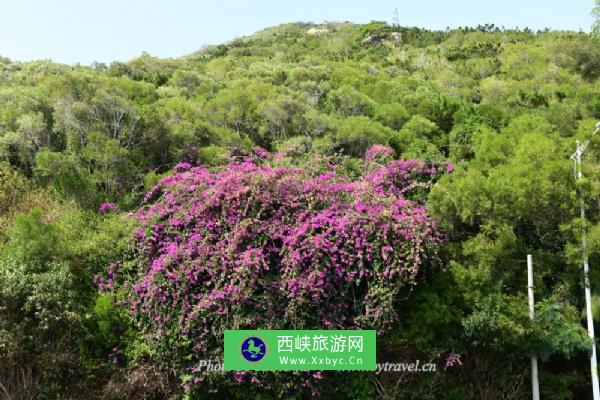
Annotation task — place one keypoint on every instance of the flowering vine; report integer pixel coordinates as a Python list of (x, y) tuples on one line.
[(250, 245)]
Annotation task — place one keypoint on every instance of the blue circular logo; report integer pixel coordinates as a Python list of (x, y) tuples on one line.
[(253, 349)]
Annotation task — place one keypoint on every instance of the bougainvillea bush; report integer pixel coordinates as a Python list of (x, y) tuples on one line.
[(253, 245)]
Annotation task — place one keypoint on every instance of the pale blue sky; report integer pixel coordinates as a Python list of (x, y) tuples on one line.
[(91, 30)]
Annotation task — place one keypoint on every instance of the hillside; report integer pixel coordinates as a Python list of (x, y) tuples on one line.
[(500, 110)]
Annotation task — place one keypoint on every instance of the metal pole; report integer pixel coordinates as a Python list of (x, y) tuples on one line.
[(586, 267), (535, 385)]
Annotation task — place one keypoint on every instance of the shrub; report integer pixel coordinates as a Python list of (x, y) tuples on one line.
[(255, 246)]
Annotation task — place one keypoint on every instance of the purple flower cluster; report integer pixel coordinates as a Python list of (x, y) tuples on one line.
[(261, 153), (453, 360), (255, 246), (107, 207), (379, 152)]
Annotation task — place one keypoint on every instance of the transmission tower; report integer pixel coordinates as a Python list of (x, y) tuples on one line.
[(396, 19)]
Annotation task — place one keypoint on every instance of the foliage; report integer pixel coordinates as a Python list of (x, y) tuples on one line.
[(81, 145)]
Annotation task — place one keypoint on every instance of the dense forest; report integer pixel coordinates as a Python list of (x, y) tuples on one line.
[(441, 156)]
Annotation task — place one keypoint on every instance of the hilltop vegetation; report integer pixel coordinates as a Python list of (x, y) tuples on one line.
[(81, 145)]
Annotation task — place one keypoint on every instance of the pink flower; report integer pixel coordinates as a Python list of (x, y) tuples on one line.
[(378, 151), (182, 166), (452, 360), (261, 153), (107, 207)]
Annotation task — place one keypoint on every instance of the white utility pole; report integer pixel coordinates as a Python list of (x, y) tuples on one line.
[(535, 385), (577, 156)]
